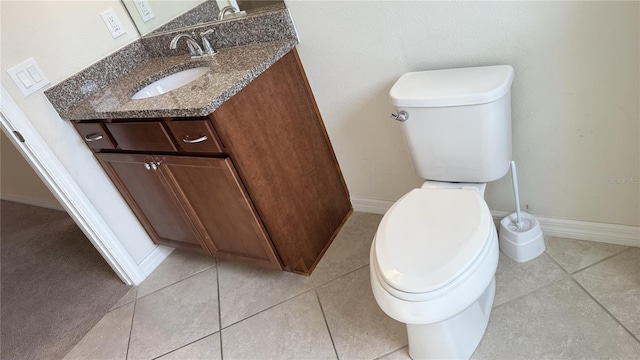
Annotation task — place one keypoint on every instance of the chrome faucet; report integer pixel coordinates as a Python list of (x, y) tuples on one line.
[(194, 48), (224, 11)]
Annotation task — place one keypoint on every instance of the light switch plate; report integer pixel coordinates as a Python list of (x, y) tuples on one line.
[(28, 76), (113, 23), (144, 9)]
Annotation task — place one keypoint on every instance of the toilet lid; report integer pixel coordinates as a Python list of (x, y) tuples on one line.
[(430, 236)]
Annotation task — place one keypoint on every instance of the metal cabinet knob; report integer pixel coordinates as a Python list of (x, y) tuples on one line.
[(93, 137), (153, 165), (188, 140), (402, 116)]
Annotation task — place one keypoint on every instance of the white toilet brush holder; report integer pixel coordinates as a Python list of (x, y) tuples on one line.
[(520, 235)]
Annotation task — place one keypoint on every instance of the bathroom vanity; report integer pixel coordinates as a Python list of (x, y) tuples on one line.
[(237, 164)]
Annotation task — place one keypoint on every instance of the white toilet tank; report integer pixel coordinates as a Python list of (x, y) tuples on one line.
[(458, 125)]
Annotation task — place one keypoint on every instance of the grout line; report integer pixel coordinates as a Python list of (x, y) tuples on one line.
[(313, 287), (565, 277), (605, 309), (133, 316), (218, 295), (219, 309), (341, 276), (602, 260), (185, 345), (175, 282), (266, 309), (392, 351), (326, 323), (556, 262)]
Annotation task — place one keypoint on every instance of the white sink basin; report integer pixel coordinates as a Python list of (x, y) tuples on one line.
[(170, 82)]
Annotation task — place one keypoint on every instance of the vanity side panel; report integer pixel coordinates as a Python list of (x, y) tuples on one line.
[(277, 141)]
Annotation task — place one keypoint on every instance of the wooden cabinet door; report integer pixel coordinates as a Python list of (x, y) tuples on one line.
[(153, 200), (220, 207)]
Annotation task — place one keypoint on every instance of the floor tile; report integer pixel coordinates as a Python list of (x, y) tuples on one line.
[(514, 279), (127, 298), (108, 339), (179, 265), (349, 250), (205, 349), (246, 290), (615, 283), (574, 255), (360, 330), (293, 330), (400, 354), (559, 321), (175, 316)]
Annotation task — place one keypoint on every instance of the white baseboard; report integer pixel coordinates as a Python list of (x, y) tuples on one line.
[(157, 256), (584, 230), (53, 205), (370, 205), (572, 229)]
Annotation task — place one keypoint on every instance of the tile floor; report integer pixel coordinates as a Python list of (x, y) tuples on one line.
[(578, 300)]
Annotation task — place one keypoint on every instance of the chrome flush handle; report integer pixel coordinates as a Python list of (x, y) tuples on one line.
[(401, 116)]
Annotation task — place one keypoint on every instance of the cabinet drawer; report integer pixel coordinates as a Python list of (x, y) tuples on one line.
[(142, 136), (95, 135), (195, 136)]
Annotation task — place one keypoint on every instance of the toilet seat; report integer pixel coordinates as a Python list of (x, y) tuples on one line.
[(429, 239)]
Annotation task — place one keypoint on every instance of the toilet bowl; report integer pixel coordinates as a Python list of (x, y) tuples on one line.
[(432, 263), (434, 257)]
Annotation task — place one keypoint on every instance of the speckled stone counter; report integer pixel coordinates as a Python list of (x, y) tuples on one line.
[(246, 47)]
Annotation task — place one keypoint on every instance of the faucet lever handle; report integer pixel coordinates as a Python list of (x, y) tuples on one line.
[(208, 49)]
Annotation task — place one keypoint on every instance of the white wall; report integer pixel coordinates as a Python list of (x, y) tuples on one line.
[(575, 94), (65, 37)]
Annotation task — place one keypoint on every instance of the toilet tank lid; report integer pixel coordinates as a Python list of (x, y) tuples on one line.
[(452, 87)]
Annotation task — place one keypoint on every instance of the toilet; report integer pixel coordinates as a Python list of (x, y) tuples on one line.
[(434, 256)]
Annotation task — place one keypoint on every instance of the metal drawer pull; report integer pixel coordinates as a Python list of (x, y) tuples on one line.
[(186, 139), (93, 137)]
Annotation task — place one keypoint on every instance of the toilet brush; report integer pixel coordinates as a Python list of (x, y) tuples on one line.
[(514, 179), (520, 234)]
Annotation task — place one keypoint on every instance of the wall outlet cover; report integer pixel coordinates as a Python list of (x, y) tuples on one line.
[(113, 23), (144, 9)]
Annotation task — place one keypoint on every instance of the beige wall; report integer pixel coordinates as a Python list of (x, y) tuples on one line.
[(65, 37), (18, 181), (575, 95)]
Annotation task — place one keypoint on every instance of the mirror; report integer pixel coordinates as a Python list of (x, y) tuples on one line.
[(152, 17)]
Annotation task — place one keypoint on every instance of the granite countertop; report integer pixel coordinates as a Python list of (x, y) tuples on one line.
[(231, 69)]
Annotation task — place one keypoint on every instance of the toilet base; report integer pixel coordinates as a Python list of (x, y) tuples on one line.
[(456, 337)]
